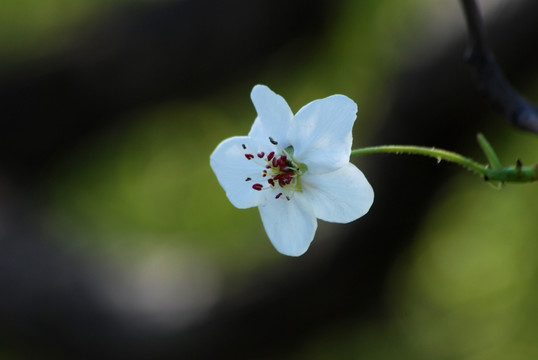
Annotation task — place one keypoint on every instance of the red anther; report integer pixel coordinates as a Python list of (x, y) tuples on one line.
[(275, 162), (278, 195), (264, 173), (267, 166), (284, 168), (281, 182), (282, 160), (260, 154), (270, 155), (249, 156), (271, 182), (257, 187)]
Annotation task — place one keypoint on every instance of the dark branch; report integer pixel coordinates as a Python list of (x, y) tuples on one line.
[(490, 78)]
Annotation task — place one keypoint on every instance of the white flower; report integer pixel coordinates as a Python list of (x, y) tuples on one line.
[(295, 168)]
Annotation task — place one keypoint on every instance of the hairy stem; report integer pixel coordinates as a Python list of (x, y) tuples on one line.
[(432, 152), (492, 172)]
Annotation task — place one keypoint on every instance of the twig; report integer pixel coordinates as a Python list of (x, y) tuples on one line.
[(490, 78)]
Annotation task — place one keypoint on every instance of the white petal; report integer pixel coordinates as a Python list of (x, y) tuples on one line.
[(290, 225), (274, 115), (340, 196), (232, 168), (321, 133)]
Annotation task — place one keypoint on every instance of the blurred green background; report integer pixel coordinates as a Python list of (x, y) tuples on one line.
[(143, 190)]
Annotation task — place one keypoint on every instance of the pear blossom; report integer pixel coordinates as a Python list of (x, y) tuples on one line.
[(295, 168)]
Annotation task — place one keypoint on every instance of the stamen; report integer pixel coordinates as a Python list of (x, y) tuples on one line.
[(278, 168)]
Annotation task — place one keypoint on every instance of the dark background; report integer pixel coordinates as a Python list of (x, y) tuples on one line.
[(116, 240)]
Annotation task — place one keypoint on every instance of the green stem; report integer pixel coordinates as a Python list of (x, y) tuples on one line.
[(438, 154), (489, 152), (495, 172)]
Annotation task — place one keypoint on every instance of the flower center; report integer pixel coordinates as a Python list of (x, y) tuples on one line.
[(279, 170)]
